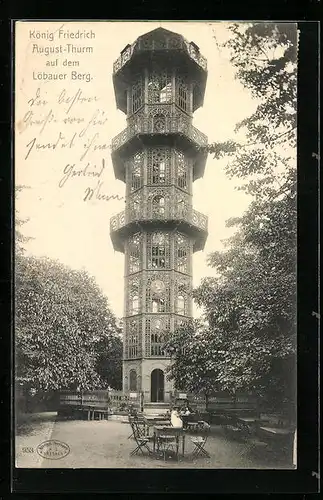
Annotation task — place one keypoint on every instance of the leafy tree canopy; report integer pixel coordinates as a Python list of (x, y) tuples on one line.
[(248, 340), (66, 336), (264, 56)]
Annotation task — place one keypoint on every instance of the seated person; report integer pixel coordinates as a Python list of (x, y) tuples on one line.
[(175, 419), (186, 413)]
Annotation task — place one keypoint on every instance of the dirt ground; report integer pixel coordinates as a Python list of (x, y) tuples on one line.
[(105, 444)]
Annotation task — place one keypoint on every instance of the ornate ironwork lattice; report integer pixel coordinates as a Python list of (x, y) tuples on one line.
[(134, 206), (159, 160), (182, 94), (137, 96), (135, 171), (158, 293), (183, 253), (134, 253), (134, 296), (158, 250), (133, 338), (182, 174), (159, 87), (157, 332), (161, 111), (182, 295), (158, 204), (182, 207)]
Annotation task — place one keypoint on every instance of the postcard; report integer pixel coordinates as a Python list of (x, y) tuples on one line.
[(155, 244)]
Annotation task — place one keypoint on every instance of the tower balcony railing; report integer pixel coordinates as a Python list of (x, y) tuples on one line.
[(158, 125), (170, 213), (169, 43)]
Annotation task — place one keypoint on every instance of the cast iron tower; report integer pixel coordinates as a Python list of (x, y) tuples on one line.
[(159, 82)]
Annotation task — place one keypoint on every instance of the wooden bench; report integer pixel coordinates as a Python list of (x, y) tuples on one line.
[(278, 439)]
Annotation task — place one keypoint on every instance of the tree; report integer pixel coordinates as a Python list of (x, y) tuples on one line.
[(250, 306), (192, 368), (264, 56), (65, 334)]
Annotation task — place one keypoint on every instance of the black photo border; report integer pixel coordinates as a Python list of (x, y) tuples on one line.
[(113, 481)]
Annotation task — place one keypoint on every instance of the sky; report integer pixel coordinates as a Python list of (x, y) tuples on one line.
[(62, 225)]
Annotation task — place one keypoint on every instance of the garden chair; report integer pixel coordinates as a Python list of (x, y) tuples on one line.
[(199, 443), (134, 422), (140, 439)]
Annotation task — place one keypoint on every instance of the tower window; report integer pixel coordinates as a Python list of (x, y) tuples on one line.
[(134, 253), (157, 331), (157, 296), (136, 176), (182, 254), (135, 304), (136, 96), (158, 305), (158, 251), (135, 207), (180, 305), (182, 94), (181, 300), (159, 88), (133, 339), (159, 172), (159, 166), (181, 170), (181, 208), (159, 205)]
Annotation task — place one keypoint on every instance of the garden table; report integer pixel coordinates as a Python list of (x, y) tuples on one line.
[(277, 431), (151, 421), (178, 432)]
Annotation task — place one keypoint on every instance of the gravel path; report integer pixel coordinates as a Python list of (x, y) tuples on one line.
[(105, 444)]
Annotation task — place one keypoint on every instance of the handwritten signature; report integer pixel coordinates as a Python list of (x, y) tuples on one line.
[(89, 170), (90, 192)]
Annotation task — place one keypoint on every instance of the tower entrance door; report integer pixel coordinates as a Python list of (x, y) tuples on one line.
[(157, 386)]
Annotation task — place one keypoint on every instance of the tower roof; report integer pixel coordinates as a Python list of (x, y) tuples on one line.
[(164, 45)]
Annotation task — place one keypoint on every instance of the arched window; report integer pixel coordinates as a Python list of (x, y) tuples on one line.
[(158, 206), (157, 385), (132, 380)]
